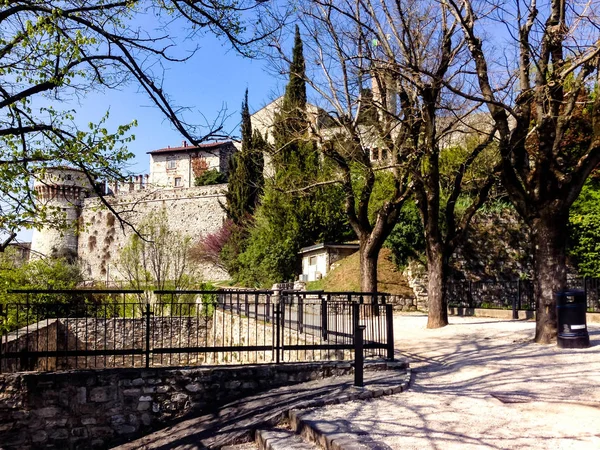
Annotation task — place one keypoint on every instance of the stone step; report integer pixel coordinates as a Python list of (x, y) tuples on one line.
[(280, 439), (341, 435), (244, 446)]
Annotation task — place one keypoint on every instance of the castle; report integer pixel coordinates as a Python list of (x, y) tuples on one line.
[(96, 236)]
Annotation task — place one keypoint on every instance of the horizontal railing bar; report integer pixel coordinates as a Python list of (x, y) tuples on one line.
[(370, 345), (224, 291), (75, 291), (230, 348), (332, 293), (167, 350), (67, 353)]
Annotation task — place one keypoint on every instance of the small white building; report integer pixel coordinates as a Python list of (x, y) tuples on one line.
[(318, 259), (178, 167)]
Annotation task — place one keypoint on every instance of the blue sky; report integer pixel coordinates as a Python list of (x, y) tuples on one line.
[(213, 78)]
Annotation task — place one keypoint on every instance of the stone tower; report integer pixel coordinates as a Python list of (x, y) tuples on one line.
[(61, 191)]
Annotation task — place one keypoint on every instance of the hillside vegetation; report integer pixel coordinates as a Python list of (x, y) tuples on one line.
[(346, 276)]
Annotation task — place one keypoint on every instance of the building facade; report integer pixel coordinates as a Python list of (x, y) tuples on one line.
[(178, 167)]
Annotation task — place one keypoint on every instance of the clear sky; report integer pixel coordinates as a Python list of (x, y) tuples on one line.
[(214, 78)]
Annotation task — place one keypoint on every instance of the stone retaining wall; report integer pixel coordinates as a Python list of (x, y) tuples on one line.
[(401, 303), (97, 409)]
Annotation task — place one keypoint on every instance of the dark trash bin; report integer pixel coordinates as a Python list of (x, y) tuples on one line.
[(571, 307)]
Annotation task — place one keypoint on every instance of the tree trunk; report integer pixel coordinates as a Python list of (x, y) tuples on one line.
[(368, 268), (550, 274), (436, 296)]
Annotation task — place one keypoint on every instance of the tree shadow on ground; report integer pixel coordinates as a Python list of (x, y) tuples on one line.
[(487, 387)]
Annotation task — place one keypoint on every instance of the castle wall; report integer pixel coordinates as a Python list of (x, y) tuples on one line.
[(194, 212), (54, 241), (61, 191)]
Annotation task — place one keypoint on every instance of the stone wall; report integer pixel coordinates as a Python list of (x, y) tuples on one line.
[(416, 275), (497, 246), (97, 409), (402, 303), (194, 212), (42, 335)]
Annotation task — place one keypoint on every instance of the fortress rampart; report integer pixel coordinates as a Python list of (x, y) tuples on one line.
[(96, 236), (194, 212)]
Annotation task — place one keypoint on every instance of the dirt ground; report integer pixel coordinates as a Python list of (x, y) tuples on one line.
[(482, 383)]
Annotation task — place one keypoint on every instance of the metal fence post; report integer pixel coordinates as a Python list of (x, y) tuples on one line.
[(515, 311), (1, 336), (355, 316), (470, 295), (268, 308), (519, 293), (278, 331), (324, 319), (148, 335), (389, 321), (359, 357), (585, 292), (300, 315)]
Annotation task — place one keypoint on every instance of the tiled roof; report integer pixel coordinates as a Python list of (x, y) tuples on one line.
[(186, 148), (323, 245)]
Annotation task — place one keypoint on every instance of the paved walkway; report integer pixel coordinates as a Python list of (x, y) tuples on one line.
[(483, 384)]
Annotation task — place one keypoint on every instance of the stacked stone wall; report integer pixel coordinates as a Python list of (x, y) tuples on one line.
[(101, 408), (194, 212)]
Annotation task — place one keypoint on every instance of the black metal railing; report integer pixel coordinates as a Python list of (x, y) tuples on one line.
[(85, 329), (512, 295), (517, 294)]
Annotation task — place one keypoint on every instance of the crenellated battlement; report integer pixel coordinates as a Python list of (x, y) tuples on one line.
[(135, 183), (71, 194)]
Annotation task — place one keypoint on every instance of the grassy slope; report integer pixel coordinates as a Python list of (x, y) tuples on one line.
[(346, 277)]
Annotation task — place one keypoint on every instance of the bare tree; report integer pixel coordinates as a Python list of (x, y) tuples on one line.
[(543, 98), (55, 51), (158, 259), (381, 70)]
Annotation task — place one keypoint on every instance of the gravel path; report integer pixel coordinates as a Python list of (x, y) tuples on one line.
[(483, 383)]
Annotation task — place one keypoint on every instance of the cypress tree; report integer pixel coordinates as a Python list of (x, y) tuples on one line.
[(259, 147), (295, 152), (246, 126), (295, 91), (245, 172)]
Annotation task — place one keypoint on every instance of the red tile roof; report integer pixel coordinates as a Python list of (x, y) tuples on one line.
[(186, 147)]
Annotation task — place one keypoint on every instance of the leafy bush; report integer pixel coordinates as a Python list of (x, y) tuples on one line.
[(210, 177), (37, 274), (584, 236), (407, 241)]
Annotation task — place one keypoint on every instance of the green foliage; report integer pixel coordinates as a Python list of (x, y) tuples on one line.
[(245, 172), (37, 274), (584, 223), (210, 177), (407, 241), (290, 215), (283, 224)]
